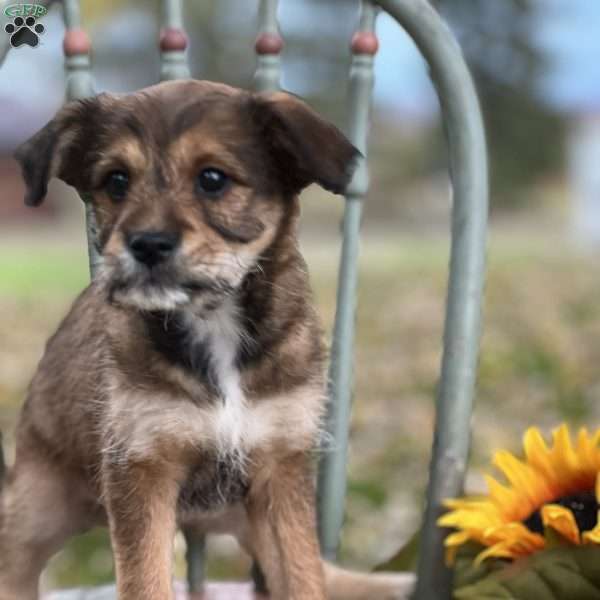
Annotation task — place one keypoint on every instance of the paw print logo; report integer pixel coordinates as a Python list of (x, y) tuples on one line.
[(24, 32)]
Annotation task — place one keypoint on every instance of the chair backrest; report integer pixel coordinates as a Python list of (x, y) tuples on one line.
[(468, 166)]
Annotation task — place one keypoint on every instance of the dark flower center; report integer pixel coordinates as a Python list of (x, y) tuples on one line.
[(584, 507)]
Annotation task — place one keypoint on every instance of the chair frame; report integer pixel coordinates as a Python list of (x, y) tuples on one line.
[(468, 168)]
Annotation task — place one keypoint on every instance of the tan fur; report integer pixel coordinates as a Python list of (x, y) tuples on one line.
[(190, 392), (146, 424)]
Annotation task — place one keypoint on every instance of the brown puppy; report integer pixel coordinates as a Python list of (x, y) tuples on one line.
[(186, 385)]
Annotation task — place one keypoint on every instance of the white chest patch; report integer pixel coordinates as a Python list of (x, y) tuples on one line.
[(233, 426), (221, 335)]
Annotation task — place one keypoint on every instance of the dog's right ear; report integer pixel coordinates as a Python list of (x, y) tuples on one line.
[(305, 147), (57, 150)]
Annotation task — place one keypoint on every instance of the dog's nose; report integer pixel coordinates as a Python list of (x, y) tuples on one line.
[(152, 247)]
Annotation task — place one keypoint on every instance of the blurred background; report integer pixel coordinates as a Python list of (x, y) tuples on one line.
[(538, 74)]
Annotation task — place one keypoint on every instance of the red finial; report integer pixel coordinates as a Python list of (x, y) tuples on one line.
[(76, 42), (172, 39), (268, 43), (365, 42)]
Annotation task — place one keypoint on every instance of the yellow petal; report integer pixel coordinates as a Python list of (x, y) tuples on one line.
[(496, 551), (586, 453), (528, 483), (562, 453), (538, 455), (596, 438), (504, 497), (512, 541), (468, 519), (514, 533), (456, 539), (452, 542), (592, 536), (562, 520)]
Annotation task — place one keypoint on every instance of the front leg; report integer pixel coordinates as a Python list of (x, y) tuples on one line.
[(141, 500), (282, 529)]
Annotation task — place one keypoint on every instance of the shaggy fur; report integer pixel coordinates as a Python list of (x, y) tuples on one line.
[(189, 391)]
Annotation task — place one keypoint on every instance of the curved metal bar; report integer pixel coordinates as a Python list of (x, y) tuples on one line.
[(468, 165), (195, 557), (332, 473), (79, 84)]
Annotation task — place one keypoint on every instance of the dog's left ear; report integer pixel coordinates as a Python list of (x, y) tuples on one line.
[(304, 147), (57, 150)]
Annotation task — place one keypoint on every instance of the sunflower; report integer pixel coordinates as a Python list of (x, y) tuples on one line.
[(556, 488)]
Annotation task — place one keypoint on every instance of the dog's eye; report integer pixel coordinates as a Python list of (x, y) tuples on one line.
[(116, 185), (212, 182)]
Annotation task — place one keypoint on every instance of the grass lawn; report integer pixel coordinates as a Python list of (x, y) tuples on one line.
[(540, 352), (25, 273)]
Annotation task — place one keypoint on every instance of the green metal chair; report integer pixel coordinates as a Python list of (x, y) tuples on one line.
[(468, 167)]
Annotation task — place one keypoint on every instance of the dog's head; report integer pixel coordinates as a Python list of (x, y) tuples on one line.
[(190, 182)]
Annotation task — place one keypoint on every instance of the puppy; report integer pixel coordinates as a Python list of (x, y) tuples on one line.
[(186, 386)]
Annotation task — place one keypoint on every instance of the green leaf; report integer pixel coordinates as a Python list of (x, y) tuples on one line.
[(466, 572), (557, 574)]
